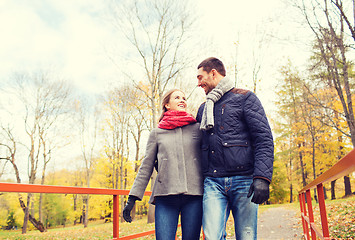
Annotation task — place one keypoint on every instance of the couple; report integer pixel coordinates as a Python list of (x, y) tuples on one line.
[(202, 175)]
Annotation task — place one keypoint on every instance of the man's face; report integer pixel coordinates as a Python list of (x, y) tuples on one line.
[(205, 80)]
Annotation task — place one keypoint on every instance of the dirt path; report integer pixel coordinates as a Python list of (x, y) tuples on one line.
[(279, 223)]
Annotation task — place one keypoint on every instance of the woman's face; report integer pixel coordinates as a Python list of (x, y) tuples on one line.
[(177, 102)]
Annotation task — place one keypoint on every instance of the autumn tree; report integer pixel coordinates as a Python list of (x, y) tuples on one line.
[(343, 9), (159, 32), (88, 116), (292, 130), (42, 102), (305, 128), (115, 139), (127, 116), (328, 20)]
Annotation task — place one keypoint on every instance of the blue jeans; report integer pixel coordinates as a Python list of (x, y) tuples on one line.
[(167, 210), (222, 195)]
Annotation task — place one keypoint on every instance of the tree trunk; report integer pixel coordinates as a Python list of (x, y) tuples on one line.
[(40, 203), (37, 224), (315, 195), (122, 197), (314, 164), (290, 177), (40, 217), (32, 212), (75, 196), (291, 193), (26, 211), (332, 190), (82, 213), (45, 162), (302, 166), (86, 214), (347, 186)]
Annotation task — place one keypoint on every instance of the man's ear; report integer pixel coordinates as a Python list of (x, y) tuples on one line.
[(214, 73)]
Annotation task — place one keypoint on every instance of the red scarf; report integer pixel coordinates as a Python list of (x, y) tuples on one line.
[(173, 119)]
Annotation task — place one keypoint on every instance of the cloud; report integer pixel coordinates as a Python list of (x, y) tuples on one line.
[(67, 35)]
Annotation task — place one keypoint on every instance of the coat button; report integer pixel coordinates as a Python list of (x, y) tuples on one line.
[(225, 144), (215, 171), (212, 152), (211, 134)]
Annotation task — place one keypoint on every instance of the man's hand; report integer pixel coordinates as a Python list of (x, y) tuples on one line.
[(128, 208), (260, 188)]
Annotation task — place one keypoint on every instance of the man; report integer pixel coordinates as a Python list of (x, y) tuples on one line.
[(237, 153)]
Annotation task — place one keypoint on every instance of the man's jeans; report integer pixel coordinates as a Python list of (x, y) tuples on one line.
[(222, 195), (167, 210)]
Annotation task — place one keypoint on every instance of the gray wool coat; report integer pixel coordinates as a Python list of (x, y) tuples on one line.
[(179, 163)]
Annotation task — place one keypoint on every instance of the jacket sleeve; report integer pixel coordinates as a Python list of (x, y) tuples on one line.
[(146, 168), (261, 137)]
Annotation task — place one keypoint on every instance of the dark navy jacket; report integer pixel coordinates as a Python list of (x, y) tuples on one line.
[(241, 141)]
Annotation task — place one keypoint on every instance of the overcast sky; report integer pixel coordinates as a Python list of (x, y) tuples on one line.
[(72, 36), (68, 36)]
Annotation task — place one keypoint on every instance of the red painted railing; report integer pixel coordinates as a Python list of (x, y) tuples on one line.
[(32, 188), (345, 166)]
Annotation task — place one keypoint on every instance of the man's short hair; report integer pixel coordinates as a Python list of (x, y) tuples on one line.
[(213, 63)]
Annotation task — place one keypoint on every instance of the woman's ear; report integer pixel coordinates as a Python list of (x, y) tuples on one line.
[(167, 106)]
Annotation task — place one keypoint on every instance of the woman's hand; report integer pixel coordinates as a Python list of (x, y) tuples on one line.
[(128, 208)]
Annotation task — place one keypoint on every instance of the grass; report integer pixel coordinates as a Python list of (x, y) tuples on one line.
[(95, 230), (341, 218)]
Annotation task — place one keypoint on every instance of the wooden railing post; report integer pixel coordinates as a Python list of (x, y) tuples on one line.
[(310, 213), (323, 212), (343, 167), (304, 214), (116, 219)]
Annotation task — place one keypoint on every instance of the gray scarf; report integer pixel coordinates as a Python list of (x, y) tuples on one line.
[(207, 121)]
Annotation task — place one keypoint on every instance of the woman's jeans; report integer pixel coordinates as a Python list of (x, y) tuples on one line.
[(222, 195), (167, 210)]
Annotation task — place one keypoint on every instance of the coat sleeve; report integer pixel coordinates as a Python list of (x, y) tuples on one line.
[(146, 168), (261, 137), (199, 112)]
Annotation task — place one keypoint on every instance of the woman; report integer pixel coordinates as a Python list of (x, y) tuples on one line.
[(178, 187)]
